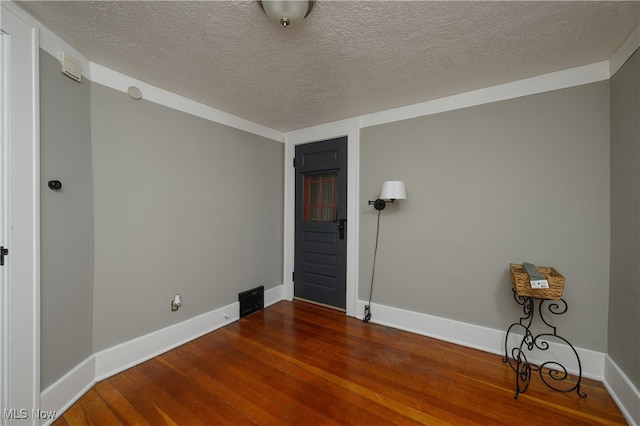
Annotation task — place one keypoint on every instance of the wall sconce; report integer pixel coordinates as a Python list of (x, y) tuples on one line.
[(286, 12), (392, 190)]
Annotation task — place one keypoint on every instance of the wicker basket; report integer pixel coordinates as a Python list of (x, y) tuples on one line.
[(521, 282)]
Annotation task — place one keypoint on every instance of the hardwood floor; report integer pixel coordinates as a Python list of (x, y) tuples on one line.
[(296, 363)]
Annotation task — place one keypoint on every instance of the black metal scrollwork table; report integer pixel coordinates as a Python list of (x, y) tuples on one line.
[(553, 374)]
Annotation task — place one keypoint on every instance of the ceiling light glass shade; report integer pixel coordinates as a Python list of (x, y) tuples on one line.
[(393, 190), (286, 12)]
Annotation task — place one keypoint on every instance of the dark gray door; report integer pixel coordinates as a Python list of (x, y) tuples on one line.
[(321, 230)]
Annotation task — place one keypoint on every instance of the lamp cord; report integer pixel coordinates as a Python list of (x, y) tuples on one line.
[(367, 309)]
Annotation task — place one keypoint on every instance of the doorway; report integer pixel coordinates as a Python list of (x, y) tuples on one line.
[(19, 223), (320, 257)]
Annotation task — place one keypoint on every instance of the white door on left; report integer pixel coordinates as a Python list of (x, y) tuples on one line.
[(19, 221)]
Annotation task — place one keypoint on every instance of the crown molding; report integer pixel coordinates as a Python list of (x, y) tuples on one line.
[(530, 86), (624, 52)]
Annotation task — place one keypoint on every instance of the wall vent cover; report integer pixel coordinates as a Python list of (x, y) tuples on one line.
[(251, 301), (70, 67)]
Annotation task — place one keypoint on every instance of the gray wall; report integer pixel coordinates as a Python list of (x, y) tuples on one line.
[(520, 180), (624, 292), (525, 179), (66, 222), (182, 205)]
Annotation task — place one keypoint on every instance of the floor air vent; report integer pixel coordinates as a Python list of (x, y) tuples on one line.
[(251, 301)]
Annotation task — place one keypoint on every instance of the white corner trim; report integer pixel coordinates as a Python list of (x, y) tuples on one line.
[(474, 336), (121, 82), (623, 392), (630, 45), (530, 86), (68, 389)]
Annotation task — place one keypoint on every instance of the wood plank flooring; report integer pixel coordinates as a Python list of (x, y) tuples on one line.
[(300, 364)]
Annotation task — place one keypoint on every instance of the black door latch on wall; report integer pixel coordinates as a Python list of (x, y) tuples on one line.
[(3, 252), (341, 223)]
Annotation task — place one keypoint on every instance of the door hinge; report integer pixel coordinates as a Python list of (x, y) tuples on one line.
[(294, 162), (293, 276), (3, 252)]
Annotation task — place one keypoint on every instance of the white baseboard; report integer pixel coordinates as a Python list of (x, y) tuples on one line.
[(623, 392), (477, 337), (128, 354), (595, 365), (125, 355), (66, 391), (69, 388), (273, 295)]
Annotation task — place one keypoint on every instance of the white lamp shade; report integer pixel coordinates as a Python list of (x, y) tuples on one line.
[(393, 190), (290, 10)]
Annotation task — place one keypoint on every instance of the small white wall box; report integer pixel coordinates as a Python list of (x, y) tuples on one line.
[(70, 67)]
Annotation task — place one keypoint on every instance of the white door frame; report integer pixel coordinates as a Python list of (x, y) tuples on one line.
[(20, 147), (349, 128)]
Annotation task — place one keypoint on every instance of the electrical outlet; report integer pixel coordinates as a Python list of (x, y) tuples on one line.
[(175, 303)]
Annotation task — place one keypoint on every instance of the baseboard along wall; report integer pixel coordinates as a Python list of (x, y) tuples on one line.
[(68, 389)]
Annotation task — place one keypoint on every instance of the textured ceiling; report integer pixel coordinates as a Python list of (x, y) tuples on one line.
[(348, 58)]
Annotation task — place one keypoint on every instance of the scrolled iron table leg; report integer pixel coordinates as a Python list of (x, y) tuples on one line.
[(552, 373)]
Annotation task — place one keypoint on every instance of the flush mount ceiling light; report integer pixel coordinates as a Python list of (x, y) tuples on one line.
[(286, 12)]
